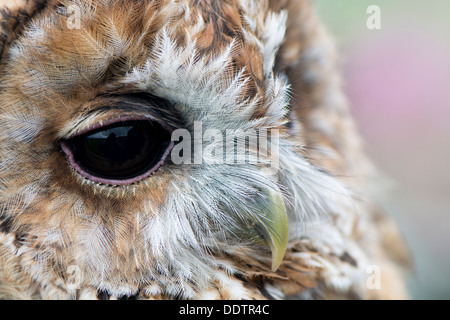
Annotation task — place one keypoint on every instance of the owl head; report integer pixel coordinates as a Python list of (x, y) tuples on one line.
[(170, 148)]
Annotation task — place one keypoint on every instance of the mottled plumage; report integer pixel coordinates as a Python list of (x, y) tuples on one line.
[(190, 231)]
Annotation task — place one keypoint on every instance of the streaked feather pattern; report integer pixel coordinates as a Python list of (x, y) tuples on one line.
[(189, 230)]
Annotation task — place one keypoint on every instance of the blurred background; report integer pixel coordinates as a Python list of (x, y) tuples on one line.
[(397, 79)]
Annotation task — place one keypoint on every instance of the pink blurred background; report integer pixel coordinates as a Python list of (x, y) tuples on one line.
[(397, 80)]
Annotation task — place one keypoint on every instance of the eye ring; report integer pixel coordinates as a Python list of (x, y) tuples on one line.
[(119, 152)]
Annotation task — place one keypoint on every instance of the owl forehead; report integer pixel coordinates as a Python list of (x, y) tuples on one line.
[(86, 44)]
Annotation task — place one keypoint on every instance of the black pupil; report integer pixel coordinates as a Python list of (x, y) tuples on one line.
[(122, 150)]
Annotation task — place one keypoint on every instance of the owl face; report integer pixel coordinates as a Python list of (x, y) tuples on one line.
[(150, 145)]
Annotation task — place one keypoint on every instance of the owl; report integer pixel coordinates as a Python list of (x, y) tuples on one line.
[(183, 149)]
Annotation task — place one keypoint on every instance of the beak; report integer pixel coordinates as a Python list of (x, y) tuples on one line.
[(274, 226)]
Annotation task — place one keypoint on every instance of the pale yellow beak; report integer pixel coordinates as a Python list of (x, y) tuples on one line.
[(274, 226)]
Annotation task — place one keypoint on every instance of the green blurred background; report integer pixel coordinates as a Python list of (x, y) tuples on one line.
[(397, 80)]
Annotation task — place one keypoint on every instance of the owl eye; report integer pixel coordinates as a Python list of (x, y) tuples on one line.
[(119, 153)]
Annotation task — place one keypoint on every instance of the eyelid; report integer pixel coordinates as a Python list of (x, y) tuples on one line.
[(122, 118), (110, 108), (97, 120)]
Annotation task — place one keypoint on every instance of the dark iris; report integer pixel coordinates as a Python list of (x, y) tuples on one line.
[(121, 151)]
